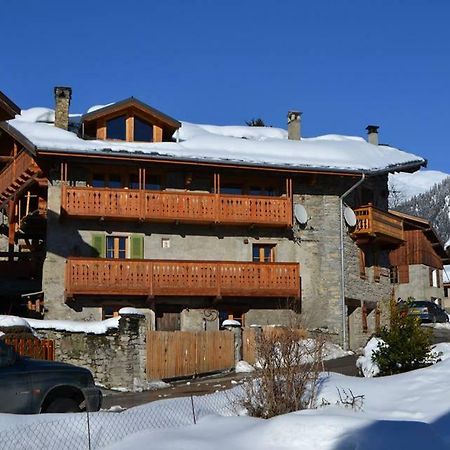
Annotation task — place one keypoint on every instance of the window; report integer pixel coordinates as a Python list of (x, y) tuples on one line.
[(434, 277), (116, 247), (393, 274), (152, 182), (116, 128), (263, 253), (231, 189), (143, 131), (364, 317), (112, 180)]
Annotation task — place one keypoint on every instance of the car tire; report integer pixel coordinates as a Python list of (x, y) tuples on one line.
[(63, 405)]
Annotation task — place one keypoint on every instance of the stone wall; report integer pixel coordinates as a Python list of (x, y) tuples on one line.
[(117, 358)]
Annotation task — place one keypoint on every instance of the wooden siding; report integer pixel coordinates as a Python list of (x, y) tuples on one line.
[(416, 250), (172, 354), (185, 207), (97, 276), (33, 347), (21, 169), (374, 223)]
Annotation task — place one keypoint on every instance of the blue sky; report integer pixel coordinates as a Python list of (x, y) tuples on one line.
[(344, 63)]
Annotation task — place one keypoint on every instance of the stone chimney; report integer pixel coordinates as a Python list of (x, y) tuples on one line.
[(372, 134), (294, 125), (62, 102)]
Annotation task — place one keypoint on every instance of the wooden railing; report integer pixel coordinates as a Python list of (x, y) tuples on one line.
[(20, 169), (97, 276), (373, 222), (185, 207)]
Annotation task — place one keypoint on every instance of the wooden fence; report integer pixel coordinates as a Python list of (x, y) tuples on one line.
[(33, 347), (172, 354)]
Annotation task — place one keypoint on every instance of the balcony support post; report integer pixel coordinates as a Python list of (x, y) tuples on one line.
[(341, 249)]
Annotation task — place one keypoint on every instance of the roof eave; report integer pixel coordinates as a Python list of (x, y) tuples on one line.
[(19, 137)]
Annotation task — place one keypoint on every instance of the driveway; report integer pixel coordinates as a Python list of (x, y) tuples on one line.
[(205, 385)]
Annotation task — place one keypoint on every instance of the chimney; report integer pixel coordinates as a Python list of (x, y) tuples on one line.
[(372, 134), (62, 102), (294, 125)]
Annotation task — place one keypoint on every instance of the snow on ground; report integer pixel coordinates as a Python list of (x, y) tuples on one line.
[(78, 326), (410, 184), (246, 145), (244, 367), (406, 411)]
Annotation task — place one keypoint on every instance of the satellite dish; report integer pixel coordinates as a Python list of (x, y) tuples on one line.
[(349, 216), (300, 214)]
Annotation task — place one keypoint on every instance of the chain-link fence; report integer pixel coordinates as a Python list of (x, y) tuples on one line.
[(97, 430)]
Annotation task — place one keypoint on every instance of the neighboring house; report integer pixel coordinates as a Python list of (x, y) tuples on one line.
[(447, 286), (417, 266), (195, 223)]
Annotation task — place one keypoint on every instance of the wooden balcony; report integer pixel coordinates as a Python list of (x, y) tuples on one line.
[(153, 278), (182, 207), (372, 224), (17, 173)]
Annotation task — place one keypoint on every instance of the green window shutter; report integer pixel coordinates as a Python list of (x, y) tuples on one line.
[(99, 245), (136, 246)]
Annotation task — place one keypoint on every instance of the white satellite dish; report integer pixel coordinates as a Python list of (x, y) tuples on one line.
[(349, 216), (300, 214)]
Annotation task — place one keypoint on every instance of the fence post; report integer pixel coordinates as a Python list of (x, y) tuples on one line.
[(235, 327)]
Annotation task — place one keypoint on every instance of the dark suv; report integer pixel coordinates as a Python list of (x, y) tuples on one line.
[(427, 311), (30, 386)]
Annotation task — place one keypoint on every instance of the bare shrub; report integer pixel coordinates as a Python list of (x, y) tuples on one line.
[(288, 373)]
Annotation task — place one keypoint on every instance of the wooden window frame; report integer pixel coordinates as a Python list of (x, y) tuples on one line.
[(262, 246), (116, 250)]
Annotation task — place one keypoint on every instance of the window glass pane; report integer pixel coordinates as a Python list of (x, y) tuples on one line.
[(109, 246), (122, 241), (267, 253), (98, 180), (256, 252), (231, 190), (116, 128), (134, 182), (114, 181), (143, 131), (153, 182)]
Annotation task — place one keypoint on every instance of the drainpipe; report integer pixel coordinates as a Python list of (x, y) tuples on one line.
[(341, 249)]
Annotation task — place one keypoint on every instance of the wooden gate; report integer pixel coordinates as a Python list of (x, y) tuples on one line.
[(33, 347), (172, 354)]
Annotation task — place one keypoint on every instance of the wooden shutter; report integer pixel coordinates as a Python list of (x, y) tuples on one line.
[(364, 317), (362, 264), (99, 245), (136, 246), (403, 273)]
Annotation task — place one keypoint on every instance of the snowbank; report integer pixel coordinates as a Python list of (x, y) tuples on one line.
[(244, 367), (364, 363), (405, 411), (13, 321)]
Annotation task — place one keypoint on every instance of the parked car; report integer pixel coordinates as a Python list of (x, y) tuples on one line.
[(31, 386), (427, 311)]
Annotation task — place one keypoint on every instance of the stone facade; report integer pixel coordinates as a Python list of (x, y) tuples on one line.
[(316, 246)]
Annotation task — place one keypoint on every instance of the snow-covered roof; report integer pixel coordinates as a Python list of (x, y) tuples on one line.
[(260, 146)]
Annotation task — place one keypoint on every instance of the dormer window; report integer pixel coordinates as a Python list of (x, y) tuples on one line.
[(116, 128), (129, 120), (143, 131)]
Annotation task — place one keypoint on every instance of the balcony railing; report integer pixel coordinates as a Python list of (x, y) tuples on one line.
[(16, 173), (151, 278), (183, 207), (374, 223)]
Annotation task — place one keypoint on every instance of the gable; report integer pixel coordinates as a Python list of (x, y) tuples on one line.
[(129, 120)]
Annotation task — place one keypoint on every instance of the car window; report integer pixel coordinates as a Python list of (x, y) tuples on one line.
[(8, 356)]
